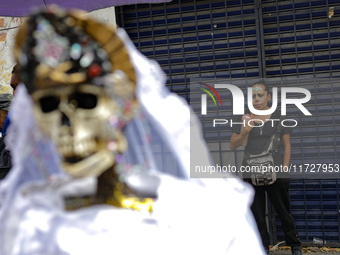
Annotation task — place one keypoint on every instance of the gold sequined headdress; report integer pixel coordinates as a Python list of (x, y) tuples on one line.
[(58, 47)]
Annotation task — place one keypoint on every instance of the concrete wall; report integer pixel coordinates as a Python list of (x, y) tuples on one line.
[(106, 16), (8, 30)]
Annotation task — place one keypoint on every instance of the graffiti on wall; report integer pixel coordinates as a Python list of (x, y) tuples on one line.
[(8, 29)]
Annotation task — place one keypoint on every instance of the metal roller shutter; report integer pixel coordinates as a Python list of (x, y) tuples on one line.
[(199, 41), (293, 43), (301, 40)]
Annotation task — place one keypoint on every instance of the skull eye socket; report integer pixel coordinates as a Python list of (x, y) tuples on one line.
[(49, 103), (83, 100), (76, 100)]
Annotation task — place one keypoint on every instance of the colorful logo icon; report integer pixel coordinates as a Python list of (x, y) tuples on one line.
[(204, 97)]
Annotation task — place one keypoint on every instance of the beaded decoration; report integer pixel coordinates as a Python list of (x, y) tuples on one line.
[(56, 47)]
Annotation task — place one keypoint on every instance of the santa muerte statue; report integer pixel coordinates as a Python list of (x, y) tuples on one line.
[(84, 178)]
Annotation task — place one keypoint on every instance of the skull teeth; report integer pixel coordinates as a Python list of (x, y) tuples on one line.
[(82, 148)]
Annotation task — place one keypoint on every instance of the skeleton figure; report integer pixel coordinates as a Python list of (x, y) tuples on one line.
[(82, 83), (82, 78)]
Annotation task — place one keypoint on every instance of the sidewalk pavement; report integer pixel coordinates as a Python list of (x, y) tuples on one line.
[(282, 252), (309, 251)]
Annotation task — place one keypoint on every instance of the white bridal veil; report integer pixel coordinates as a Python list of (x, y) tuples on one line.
[(190, 216)]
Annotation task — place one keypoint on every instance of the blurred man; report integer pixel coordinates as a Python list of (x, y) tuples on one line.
[(5, 101), (5, 157), (15, 78)]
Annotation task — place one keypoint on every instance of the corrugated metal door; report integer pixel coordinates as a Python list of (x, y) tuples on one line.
[(199, 40), (288, 42), (301, 40)]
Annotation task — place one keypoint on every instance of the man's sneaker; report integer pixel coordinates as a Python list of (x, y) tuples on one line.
[(296, 250)]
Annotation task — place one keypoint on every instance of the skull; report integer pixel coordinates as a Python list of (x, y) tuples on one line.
[(82, 82), (79, 119)]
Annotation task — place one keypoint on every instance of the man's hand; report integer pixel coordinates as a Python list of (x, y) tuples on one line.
[(248, 120)]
